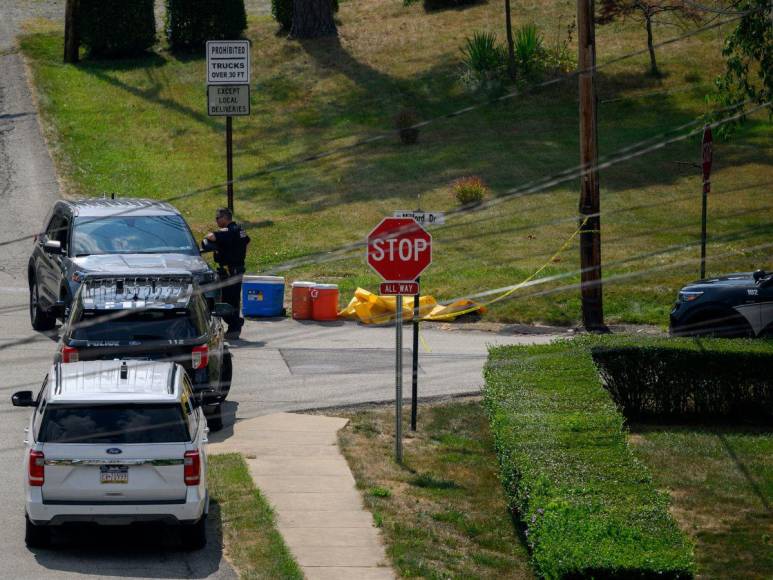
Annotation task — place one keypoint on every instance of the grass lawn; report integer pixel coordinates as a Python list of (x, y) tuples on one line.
[(252, 543), (443, 514), (721, 486), (139, 128)]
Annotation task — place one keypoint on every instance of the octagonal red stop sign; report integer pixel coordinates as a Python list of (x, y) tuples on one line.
[(399, 249)]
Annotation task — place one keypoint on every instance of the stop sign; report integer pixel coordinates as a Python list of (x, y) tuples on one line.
[(399, 249)]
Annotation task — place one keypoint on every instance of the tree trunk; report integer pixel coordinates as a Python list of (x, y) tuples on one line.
[(313, 19), (71, 36), (653, 63), (510, 45)]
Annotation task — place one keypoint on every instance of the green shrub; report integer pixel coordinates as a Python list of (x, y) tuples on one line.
[(282, 11), (529, 50), (588, 507), (688, 379), (116, 28), (470, 190), (190, 23), (483, 55)]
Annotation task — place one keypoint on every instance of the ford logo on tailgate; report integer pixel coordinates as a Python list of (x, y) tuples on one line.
[(114, 451)]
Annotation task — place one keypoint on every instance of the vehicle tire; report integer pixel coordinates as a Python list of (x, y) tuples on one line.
[(194, 537), (36, 536), (720, 325), (39, 318), (215, 420)]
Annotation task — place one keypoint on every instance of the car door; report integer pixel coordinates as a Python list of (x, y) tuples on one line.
[(764, 300), (50, 273)]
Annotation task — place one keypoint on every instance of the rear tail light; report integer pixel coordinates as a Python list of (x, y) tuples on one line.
[(37, 469), (200, 356), (69, 354), (192, 469)]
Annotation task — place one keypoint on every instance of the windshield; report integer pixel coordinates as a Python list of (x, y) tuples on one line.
[(132, 235), (129, 423), (151, 324)]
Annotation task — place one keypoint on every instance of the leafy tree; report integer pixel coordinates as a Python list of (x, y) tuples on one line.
[(313, 19), (748, 52), (646, 11)]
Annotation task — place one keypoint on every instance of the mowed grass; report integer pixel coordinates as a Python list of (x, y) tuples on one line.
[(252, 543), (139, 128), (721, 486), (443, 513)]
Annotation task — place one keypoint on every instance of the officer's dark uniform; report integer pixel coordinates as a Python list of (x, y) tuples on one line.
[(230, 254)]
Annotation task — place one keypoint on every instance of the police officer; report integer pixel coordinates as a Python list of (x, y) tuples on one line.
[(230, 252)]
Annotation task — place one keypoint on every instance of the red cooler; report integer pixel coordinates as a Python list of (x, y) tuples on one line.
[(324, 302), (302, 300)]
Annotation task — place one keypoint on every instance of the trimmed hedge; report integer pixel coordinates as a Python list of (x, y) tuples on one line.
[(729, 380), (282, 11), (191, 23), (116, 28), (588, 507)]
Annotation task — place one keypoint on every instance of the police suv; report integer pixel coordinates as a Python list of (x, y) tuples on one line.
[(106, 235), (736, 305), (115, 442), (150, 316)]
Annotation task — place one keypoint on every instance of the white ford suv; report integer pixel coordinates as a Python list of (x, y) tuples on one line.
[(115, 442)]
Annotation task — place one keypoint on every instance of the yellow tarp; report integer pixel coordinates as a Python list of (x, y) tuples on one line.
[(369, 308)]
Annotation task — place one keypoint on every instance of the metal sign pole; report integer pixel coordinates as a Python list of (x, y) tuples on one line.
[(704, 211), (415, 353), (399, 378), (229, 160)]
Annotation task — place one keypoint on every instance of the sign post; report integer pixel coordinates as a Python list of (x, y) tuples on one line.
[(707, 157), (228, 92), (399, 250)]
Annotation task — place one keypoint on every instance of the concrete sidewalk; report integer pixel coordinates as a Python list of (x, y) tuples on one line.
[(297, 465)]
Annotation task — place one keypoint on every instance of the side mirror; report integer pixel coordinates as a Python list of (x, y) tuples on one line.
[(52, 247), (23, 399), (223, 310)]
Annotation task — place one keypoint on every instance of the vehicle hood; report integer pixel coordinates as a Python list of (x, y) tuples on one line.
[(118, 263), (735, 280)]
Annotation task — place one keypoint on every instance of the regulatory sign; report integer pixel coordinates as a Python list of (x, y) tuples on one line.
[(228, 62), (425, 218), (399, 249), (228, 100), (707, 156), (395, 288)]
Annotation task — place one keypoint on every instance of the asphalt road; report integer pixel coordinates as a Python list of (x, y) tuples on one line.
[(279, 365)]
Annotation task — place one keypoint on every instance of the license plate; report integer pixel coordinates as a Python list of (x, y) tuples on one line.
[(113, 474)]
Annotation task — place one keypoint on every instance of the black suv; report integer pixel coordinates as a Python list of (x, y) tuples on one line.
[(152, 316), (736, 305), (106, 235)]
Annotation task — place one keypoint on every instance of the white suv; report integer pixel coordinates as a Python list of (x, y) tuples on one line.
[(115, 442)]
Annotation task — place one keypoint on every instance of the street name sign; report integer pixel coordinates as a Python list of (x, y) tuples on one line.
[(395, 288), (228, 62), (399, 249), (228, 100), (425, 218)]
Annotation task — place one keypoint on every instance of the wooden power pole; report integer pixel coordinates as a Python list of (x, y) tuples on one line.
[(71, 37), (590, 234)]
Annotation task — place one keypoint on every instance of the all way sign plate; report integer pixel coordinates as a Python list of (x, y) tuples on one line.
[(228, 100), (395, 288), (228, 62)]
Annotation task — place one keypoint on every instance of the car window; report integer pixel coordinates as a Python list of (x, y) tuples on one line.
[(187, 401), (57, 229), (116, 424), (143, 325), (132, 235)]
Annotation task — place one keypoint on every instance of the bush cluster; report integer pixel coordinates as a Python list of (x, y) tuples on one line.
[(116, 28), (588, 508), (190, 23), (469, 190), (682, 379), (282, 11)]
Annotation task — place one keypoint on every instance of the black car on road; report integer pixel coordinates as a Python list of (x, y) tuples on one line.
[(149, 316), (736, 305), (105, 235)]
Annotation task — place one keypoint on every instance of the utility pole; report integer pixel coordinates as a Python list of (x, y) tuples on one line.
[(510, 46), (71, 36), (590, 232)]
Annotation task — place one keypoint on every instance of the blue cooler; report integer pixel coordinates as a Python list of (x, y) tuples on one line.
[(263, 295)]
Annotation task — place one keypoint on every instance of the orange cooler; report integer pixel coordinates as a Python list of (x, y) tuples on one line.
[(302, 300), (324, 302)]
